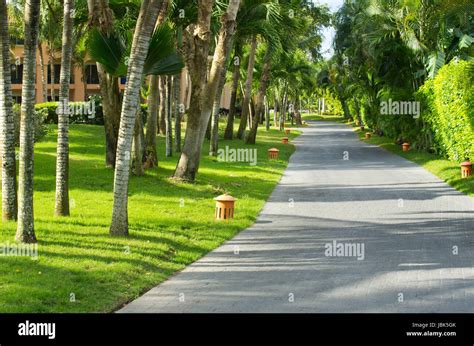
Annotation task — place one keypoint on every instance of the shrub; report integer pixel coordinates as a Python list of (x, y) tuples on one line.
[(80, 114), (449, 109), (39, 124)]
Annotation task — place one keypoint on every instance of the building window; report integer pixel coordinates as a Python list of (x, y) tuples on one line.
[(92, 76), (57, 74), (17, 74), (16, 98)]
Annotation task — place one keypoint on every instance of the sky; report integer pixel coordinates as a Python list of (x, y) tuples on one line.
[(329, 32)]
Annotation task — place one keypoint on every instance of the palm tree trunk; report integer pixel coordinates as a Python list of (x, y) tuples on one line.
[(229, 129), (7, 131), (163, 105), (44, 82), (62, 154), (177, 112), (111, 106), (52, 74), (101, 17), (284, 103), (215, 115), (169, 121), (26, 231), (178, 108), (275, 111), (151, 156), (248, 89), (137, 148), (259, 109), (267, 115), (203, 95), (146, 22)]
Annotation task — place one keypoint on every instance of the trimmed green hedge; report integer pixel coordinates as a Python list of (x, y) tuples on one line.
[(448, 109), (80, 114)]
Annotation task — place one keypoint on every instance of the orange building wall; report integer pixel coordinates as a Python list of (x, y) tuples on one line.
[(77, 90)]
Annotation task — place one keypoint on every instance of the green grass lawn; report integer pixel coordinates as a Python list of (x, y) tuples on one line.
[(326, 117), (443, 168), (77, 256)]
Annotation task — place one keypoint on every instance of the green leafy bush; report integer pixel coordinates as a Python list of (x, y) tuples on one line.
[(39, 123), (81, 111), (89, 112), (448, 103)]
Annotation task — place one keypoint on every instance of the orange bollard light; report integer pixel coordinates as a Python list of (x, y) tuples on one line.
[(224, 207), (273, 153), (466, 169)]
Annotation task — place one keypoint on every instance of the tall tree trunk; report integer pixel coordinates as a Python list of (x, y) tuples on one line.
[(267, 115), (299, 121), (284, 103), (26, 231), (153, 125), (229, 129), (101, 17), (151, 156), (111, 107), (52, 74), (275, 112), (262, 90), (203, 95), (131, 103), (177, 112), (169, 121), (44, 82), (248, 89), (208, 130), (215, 115), (62, 154), (178, 108), (163, 105), (137, 148), (7, 131)]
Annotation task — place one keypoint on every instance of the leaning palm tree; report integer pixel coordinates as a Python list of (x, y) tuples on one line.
[(62, 155), (7, 134), (162, 60), (256, 17), (26, 231), (144, 29)]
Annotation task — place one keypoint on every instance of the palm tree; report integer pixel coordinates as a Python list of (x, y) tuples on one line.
[(101, 18), (26, 231), (146, 22), (7, 139), (151, 156), (50, 31), (178, 8), (256, 17), (203, 94), (161, 60), (62, 155)]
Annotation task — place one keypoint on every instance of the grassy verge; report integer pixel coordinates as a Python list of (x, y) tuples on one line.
[(326, 117), (444, 169), (81, 269)]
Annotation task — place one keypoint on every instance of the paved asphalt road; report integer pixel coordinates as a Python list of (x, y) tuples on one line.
[(409, 223)]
